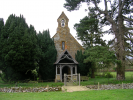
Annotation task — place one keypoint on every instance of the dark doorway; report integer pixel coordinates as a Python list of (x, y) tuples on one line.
[(65, 70)]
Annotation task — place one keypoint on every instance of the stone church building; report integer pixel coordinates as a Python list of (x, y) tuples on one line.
[(66, 46)]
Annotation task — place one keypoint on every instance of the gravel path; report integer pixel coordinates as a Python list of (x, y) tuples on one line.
[(74, 88)]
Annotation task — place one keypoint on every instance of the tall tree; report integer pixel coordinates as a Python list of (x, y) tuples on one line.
[(19, 48), (114, 13), (47, 55), (1, 26), (89, 32)]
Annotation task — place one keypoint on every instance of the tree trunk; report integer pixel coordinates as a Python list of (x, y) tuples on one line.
[(119, 30), (120, 53)]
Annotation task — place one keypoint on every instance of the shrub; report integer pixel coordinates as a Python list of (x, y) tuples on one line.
[(108, 75)]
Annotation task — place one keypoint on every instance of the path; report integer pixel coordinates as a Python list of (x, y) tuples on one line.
[(74, 88)]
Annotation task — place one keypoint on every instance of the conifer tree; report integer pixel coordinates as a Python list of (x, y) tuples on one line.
[(90, 34), (19, 48), (1, 26), (47, 55)]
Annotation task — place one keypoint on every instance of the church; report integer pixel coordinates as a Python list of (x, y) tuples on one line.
[(66, 46)]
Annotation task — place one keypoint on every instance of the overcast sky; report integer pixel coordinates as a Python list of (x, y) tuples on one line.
[(42, 14)]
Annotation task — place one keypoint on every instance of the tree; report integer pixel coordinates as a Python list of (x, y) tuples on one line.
[(115, 14), (47, 55), (83, 68), (101, 56), (89, 32), (19, 49), (1, 26)]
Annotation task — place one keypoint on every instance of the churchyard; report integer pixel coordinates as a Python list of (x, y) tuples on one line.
[(91, 94), (91, 81)]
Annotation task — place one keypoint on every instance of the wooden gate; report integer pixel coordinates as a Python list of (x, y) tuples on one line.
[(71, 80)]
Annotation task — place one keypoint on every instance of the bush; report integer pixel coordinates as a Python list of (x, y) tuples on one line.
[(108, 75)]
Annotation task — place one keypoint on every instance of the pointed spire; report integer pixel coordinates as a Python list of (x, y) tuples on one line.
[(63, 15)]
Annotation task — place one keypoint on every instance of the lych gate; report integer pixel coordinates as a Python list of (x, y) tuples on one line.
[(65, 65)]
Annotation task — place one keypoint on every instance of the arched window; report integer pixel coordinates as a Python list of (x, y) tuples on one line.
[(62, 22), (63, 45)]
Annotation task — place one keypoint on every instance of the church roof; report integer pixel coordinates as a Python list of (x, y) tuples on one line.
[(65, 58), (63, 15)]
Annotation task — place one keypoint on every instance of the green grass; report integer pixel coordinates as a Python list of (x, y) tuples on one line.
[(125, 94), (44, 84), (128, 75), (91, 81), (102, 80)]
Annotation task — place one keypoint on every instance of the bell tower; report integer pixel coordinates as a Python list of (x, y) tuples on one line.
[(63, 24), (63, 39)]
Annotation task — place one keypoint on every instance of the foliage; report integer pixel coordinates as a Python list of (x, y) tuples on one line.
[(47, 55), (24, 53), (108, 75), (89, 32), (101, 56), (19, 49), (83, 68), (115, 14), (1, 26)]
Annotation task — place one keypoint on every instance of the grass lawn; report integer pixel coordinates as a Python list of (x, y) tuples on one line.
[(128, 75), (44, 84), (91, 81), (121, 94), (102, 80)]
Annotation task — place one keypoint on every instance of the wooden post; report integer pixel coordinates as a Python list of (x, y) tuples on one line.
[(122, 85), (64, 79), (47, 88), (56, 71), (79, 79), (71, 72), (98, 85), (75, 69)]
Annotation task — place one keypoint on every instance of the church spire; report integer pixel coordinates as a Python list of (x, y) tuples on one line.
[(62, 20)]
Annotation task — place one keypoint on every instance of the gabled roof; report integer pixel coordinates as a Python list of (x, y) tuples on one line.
[(63, 15), (66, 56)]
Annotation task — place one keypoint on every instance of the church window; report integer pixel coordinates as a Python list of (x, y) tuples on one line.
[(62, 22), (63, 45)]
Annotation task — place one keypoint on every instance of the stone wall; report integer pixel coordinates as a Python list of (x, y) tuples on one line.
[(29, 89), (111, 86), (46, 89)]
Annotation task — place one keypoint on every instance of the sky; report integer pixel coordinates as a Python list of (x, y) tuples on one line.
[(43, 14)]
